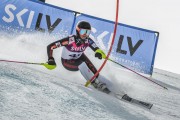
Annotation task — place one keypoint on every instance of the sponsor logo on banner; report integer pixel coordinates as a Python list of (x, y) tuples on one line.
[(132, 49), (10, 16)]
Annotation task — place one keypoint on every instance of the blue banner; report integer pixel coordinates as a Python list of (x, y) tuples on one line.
[(133, 47), (27, 15)]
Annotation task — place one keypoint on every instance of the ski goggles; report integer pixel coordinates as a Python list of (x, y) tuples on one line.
[(85, 31)]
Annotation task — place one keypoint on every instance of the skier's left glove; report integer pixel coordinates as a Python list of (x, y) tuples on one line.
[(100, 54), (51, 61)]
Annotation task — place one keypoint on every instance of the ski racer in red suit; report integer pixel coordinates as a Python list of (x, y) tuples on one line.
[(73, 57)]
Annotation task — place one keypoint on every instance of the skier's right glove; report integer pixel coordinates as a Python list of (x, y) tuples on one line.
[(100, 54), (51, 61)]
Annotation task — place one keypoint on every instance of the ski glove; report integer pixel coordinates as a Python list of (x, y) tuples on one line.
[(51, 61), (100, 54)]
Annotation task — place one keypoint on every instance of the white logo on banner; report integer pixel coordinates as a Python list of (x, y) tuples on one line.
[(100, 39), (19, 15)]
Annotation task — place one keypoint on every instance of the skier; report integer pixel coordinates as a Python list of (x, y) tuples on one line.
[(73, 57)]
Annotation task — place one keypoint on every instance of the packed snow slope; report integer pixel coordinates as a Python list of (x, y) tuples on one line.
[(31, 92)]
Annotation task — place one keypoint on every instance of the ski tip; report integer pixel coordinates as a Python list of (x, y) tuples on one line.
[(137, 102), (166, 88), (150, 106)]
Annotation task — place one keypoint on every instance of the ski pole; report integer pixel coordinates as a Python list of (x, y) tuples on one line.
[(50, 67), (136, 73), (112, 42)]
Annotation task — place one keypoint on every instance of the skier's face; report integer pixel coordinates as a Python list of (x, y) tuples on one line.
[(84, 33)]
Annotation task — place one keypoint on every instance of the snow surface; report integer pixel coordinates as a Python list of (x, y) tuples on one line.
[(31, 92)]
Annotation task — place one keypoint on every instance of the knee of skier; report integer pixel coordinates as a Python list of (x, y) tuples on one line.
[(85, 71)]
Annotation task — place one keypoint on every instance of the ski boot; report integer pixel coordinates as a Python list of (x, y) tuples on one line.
[(100, 86)]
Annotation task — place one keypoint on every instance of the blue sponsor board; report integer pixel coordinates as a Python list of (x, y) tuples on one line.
[(30, 15), (133, 47)]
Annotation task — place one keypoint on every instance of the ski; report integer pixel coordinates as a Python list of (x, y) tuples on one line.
[(124, 97), (128, 99)]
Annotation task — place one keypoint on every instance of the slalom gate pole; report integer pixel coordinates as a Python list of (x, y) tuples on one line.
[(50, 67), (137, 73), (115, 29)]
